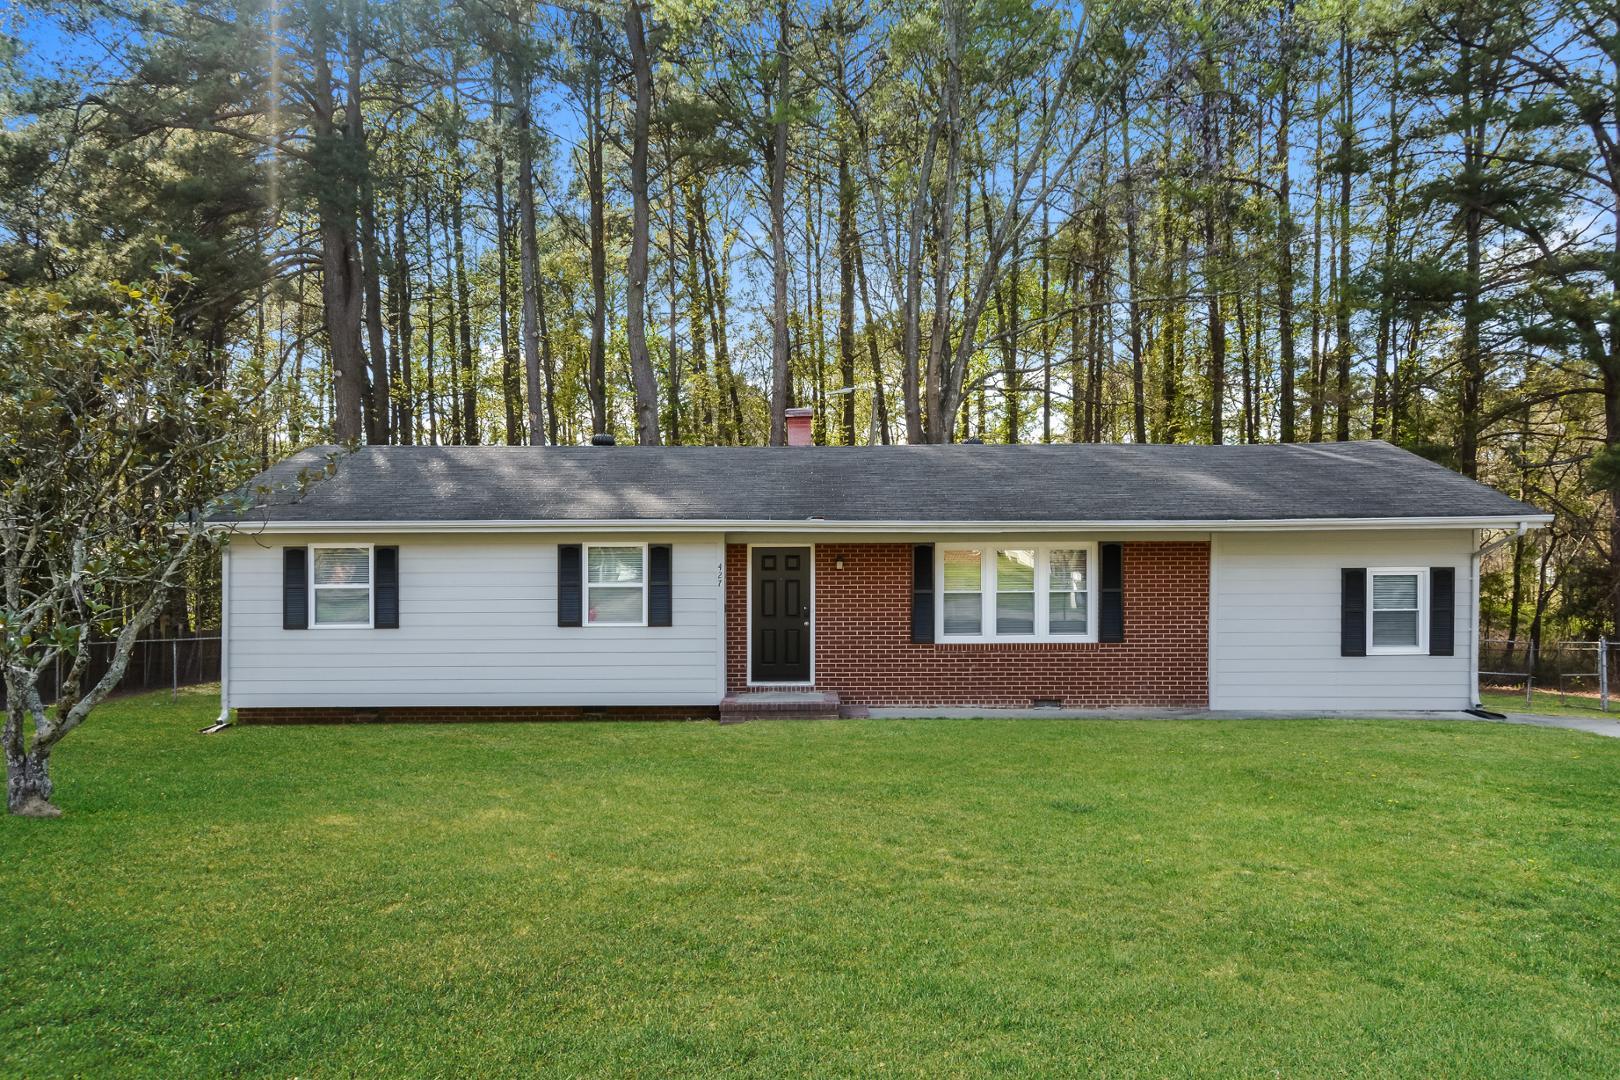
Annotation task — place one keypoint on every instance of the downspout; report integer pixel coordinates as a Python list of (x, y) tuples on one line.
[(223, 720), (1474, 561)]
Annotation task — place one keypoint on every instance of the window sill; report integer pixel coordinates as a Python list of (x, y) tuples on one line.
[(1022, 639)]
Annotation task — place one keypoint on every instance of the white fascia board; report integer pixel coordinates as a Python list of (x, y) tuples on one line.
[(659, 525)]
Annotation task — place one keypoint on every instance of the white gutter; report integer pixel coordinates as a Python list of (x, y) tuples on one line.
[(224, 717), (819, 525), (1475, 558)]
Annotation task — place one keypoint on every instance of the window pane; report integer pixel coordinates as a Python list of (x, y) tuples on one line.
[(342, 566), (962, 613), (1393, 592), (961, 570), (342, 606), (1015, 571), (615, 604), (615, 564), (1066, 612), (1015, 613), (1066, 591), (1393, 629), (1068, 569)]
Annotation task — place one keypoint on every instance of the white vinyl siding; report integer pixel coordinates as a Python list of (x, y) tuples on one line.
[(1275, 636), (478, 626)]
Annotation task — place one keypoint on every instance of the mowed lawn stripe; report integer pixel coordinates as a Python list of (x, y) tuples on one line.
[(910, 897)]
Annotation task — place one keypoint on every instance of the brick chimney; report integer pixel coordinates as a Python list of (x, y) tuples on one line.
[(800, 427)]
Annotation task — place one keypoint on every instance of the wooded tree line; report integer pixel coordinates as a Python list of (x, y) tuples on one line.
[(494, 221)]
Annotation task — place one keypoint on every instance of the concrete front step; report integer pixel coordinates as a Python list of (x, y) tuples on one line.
[(778, 705)]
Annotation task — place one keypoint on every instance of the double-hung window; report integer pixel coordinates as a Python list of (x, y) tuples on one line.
[(340, 585), (616, 584), (1398, 600), (1016, 592)]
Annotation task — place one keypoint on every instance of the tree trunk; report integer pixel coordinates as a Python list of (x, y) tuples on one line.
[(1138, 361), (511, 391), (776, 160), (452, 348), (595, 138), (528, 252), (469, 369), (1386, 301), (1471, 363), (28, 784), (714, 287), (378, 400), (879, 399), (341, 290), (1316, 296), (672, 238), (431, 327), (846, 290), (1214, 279), (1285, 236), (1346, 173), (643, 381), (709, 410), (401, 288)]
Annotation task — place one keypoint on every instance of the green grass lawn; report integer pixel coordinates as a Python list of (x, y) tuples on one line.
[(875, 897), (1548, 703)]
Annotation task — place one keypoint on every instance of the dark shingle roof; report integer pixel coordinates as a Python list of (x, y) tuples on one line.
[(944, 484)]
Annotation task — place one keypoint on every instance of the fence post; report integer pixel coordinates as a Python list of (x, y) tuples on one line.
[(1603, 673), (174, 669), (1529, 674)]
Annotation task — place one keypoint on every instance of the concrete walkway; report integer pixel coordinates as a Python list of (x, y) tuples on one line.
[(1596, 724)]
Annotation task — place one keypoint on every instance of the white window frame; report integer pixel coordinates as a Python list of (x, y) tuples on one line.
[(371, 588), (585, 585), (987, 591), (1422, 646)]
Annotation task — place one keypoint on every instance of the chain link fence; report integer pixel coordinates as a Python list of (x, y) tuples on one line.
[(166, 663), (1578, 673)]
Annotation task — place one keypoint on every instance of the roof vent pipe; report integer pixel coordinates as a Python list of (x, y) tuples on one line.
[(602, 439), (799, 430)]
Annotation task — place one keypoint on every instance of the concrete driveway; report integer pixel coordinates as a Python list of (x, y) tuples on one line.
[(1596, 724)]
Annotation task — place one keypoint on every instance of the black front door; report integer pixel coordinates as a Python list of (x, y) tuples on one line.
[(781, 615)]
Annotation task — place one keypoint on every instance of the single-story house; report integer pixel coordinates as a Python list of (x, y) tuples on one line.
[(507, 582)]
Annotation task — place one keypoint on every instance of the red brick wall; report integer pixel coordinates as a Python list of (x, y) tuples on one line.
[(863, 648)]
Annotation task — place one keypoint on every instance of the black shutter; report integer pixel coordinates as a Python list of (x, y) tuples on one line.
[(568, 585), (295, 588), (660, 601), (1111, 595), (385, 565), (922, 594), (1353, 612), (1442, 611)]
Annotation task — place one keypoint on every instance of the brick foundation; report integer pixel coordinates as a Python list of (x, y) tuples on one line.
[(435, 714), (864, 653)]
